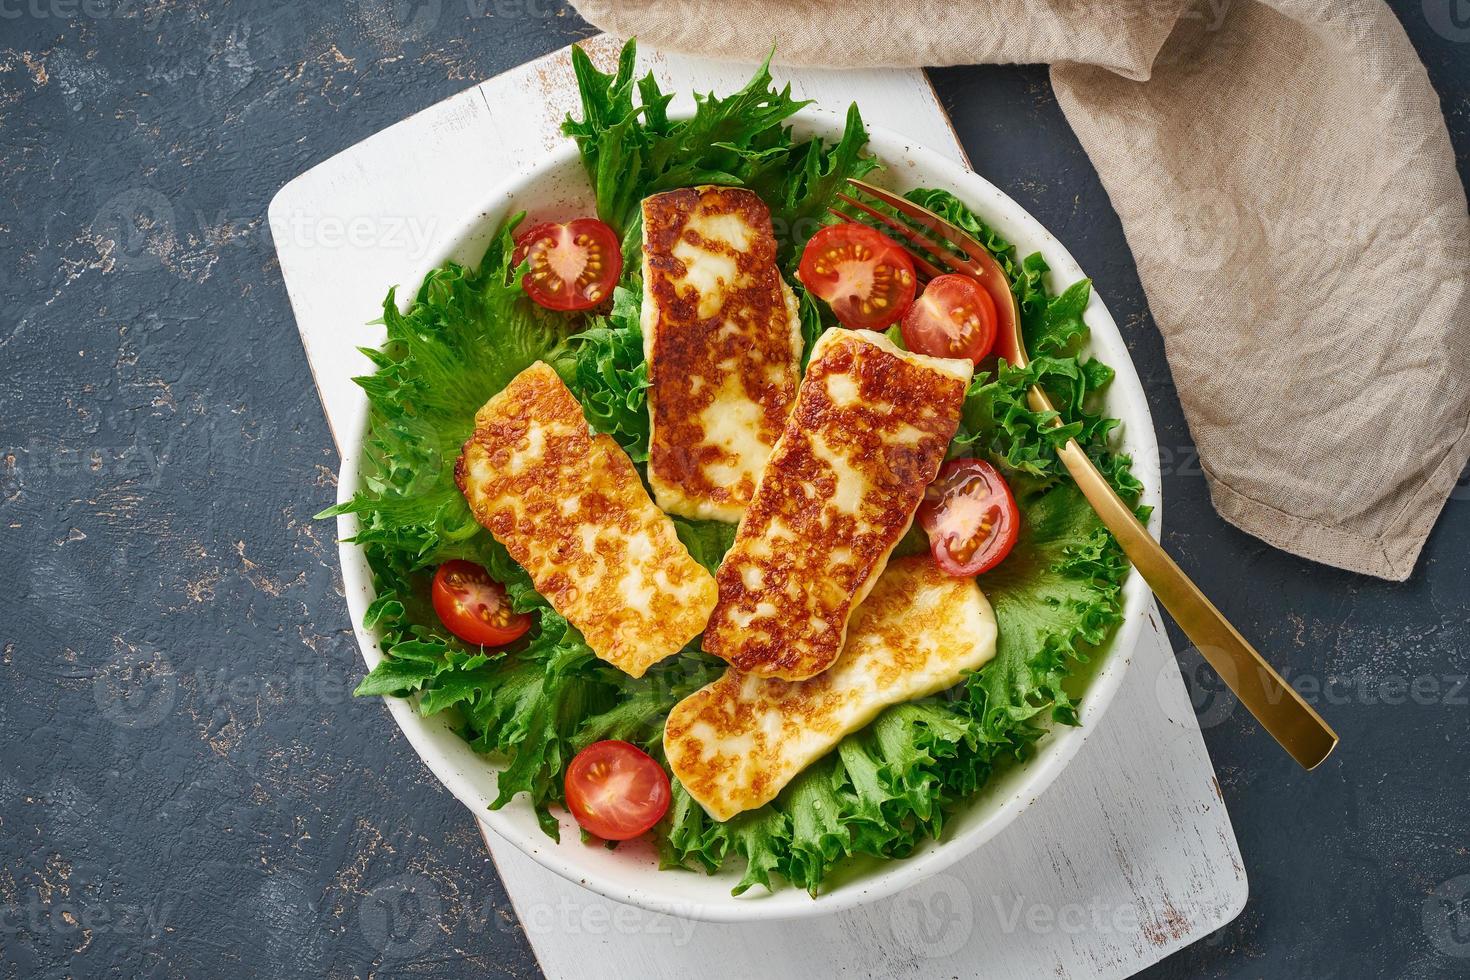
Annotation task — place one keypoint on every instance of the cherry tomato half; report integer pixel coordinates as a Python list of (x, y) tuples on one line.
[(616, 790), (866, 276), (474, 607), (970, 517), (573, 266), (955, 317)]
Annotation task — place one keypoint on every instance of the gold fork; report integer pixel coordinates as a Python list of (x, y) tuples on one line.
[(1279, 708)]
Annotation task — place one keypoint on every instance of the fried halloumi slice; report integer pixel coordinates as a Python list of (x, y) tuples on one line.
[(869, 430), (722, 338), (735, 743), (570, 508)]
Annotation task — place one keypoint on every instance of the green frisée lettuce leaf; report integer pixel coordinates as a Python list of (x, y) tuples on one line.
[(631, 149), (603, 366), (465, 335), (1054, 595), (532, 706)]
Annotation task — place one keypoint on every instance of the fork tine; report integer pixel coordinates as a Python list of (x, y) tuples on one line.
[(980, 264), (914, 237), (924, 267), (955, 236)]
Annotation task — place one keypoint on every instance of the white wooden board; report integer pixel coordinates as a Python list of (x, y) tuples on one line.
[(1128, 857)]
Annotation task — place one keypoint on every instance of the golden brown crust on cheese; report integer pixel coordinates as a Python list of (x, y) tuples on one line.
[(571, 509), (695, 352), (869, 430), (736, 742)]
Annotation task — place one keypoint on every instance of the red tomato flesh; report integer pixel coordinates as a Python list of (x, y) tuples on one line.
[(616, 791), (573, 266), (866, 277), (955, 317), (970, 517), (474, 607)]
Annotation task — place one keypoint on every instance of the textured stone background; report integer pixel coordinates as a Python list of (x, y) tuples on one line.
[(187, 790)]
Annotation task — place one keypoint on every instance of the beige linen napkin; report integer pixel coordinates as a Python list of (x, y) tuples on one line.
[(1288, 189)]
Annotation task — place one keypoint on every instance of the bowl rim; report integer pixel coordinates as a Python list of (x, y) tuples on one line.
[(1126, 400)]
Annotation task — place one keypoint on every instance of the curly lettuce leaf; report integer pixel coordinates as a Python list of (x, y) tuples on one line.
[(467, 333), (631, 149), (1057, 591), (603, 366)]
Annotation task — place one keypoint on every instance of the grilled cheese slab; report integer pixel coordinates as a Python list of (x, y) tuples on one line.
[(722, 338), (570, 508), (870, 427), (735, 743)]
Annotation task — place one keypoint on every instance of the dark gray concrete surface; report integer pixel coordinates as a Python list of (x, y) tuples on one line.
[(187, 790)]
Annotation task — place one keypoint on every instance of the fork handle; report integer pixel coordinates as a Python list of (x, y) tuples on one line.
[(1279, 708)]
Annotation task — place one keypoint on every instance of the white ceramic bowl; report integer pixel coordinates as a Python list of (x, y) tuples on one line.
[(557, 188)]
